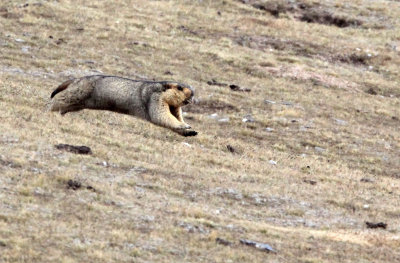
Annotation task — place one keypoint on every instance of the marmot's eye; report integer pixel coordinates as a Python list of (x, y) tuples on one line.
[(180, 88)]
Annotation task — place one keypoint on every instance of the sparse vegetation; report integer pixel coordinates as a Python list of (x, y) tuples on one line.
[(300, 161)]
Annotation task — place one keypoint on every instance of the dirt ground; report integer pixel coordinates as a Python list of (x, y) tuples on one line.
[(298, 113)]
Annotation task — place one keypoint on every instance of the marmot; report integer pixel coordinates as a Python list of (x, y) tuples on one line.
[(159, 102)]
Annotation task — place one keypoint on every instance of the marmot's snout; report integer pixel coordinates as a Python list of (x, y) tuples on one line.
[(190, 93)]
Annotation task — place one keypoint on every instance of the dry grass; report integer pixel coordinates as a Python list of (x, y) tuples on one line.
[(333, 107)]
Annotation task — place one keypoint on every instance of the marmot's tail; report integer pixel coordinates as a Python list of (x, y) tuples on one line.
[(62, 87)]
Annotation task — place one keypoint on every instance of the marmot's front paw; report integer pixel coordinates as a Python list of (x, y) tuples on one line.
[(189, 133)]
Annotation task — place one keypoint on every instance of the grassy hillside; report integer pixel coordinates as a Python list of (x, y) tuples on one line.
[(300, 154)]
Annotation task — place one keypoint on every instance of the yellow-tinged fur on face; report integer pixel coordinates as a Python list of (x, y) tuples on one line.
[(177, 95)]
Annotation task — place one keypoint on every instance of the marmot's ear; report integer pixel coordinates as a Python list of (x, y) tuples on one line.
[(169, 86)]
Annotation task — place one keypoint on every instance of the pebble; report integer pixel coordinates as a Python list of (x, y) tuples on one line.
[(319, 149), (341, 122), (187, 144), (224, 120), (25, 49), (273, 162), (287, 103), (258, 245), (248, 118), (213, 116)]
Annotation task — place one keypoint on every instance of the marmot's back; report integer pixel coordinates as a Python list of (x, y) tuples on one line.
[(120, 95)]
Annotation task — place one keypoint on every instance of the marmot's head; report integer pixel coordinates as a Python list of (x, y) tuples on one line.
[(177, 94)]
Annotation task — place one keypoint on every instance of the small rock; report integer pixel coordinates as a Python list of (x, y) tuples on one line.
[(366, 207), (287, 103), (258, 245), (371, 91), (38, 191), (140, 189), (230, 148), (74, 185), (237, 88), (19, 40), (91, 188), (191, 228), (214, 82), (147, 218), (230, 227), (187, 144), (340, 122), (77, 242), (272, 162), (310, 224), (268, 129), (137, 170), (376, 225), (230, 192), (25, 49), (213, 116), (223, 241), (234, 193), (224, 119), (60, 41), (248, 118), (74, 149), (366, 180), (35, 170), (258, 200), (312, 182), (319, 149)]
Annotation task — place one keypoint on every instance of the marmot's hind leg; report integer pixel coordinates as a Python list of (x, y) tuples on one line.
[(72, 95), (71, 109), (63, 107)]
